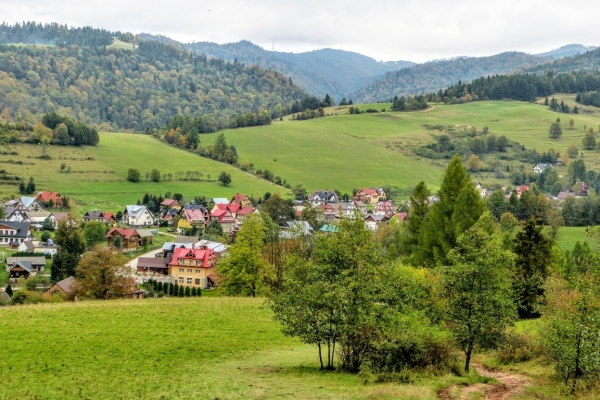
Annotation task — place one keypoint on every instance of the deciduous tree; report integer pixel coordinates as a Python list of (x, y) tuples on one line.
[(103, 274)]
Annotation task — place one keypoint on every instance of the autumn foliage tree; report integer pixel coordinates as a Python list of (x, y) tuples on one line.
[(103, 274)]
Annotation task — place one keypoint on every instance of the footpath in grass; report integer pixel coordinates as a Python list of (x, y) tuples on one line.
[(210, 347)]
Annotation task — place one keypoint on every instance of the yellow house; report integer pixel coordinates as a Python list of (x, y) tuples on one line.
[(193, 267)]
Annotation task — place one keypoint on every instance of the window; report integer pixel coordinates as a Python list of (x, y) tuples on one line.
[(189, 281), (181, 270), (181, 261), (181, 279), (197, 262), (189, 270), (197, 271)]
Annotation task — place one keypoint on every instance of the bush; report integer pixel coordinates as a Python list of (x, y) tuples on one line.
[(26, 297), (518, 347)]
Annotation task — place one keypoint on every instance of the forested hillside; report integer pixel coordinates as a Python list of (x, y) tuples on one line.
[(319, 72), (568, 50), (123, 89), (587, 61), (429, 77)]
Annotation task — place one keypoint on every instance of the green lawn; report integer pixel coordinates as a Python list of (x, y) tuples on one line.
[(568, 236), (205, 348), (98, 177)]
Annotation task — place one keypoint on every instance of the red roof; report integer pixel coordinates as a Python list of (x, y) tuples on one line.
[(368, 192), (222, 216), (238, 198), (125, 232), (402, 216), (204, 255), (246, 211), (170, 203), (194, 215), (109, 215), (522, 188), (46, 196)]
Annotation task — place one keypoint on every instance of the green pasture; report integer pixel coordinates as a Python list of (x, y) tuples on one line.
[(568, 236), (98, 175), (204, 348)]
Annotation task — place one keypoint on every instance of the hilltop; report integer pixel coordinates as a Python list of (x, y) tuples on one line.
[(568, 50), (319, 72)]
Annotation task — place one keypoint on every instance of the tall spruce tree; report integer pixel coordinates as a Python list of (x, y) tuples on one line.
[(533, 251), (458, 209), (419, 208)]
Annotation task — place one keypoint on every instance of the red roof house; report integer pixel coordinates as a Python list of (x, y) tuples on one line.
[(47, 197)]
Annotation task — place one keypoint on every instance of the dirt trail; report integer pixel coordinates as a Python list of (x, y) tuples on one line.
[(508, 386)]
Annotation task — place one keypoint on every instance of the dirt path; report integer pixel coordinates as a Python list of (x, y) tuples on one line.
[(508, 386)]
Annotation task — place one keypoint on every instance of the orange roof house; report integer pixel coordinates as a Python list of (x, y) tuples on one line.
[(47, 197)]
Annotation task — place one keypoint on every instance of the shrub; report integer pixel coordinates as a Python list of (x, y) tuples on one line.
[(518, 347)]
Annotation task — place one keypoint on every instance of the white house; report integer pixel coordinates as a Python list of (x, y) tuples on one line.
[(14, 214), (136, 216), (31, 204), (320, 197), (540, 167)]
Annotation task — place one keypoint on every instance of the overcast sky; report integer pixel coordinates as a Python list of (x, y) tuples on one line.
[(417, 30)]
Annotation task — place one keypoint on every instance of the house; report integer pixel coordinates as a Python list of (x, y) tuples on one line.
[(130, 238), (31, 204), (192, 267), (348, 211), (386, 207), (225, 218), (99, 216), (220, 200), (330, 212), (328, 229), (168, 215), (151, 266), (37, 218), (220, 249), (241, 199), (243, 212), (540, 167), (192, 217), (170, 204), (14, 214), (27, 246), (136, 216), (521, 189), (563, 195), (370, 196), (24, 266), (373, 221), (12, 234), (63, 216), (63, 288), (321, 197), (146, 234), (53, 199), (294, 229), (46, 248), (15, 204)]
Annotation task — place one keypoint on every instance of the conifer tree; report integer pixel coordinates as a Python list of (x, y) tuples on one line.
[(9, 290), (193, 292), (458, 196), (181, 292), (419, 208)]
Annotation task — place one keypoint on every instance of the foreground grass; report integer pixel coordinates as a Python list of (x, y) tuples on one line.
[(210, 347)]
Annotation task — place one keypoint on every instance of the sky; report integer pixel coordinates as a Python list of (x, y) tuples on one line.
[(415, 30)]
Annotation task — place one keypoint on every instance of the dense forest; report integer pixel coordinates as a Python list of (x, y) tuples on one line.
[(135, 90), (588, 61), (318, 72), (589, 98), (524, 87), (424, 78)]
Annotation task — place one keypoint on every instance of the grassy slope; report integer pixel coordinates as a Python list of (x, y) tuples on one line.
[(346, 151), (227, 348), (101, 182)]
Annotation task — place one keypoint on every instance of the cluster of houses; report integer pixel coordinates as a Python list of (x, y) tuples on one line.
[(371, 204)]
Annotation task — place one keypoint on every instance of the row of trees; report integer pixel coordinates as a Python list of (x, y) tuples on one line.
[(409, 103), (589, 98)]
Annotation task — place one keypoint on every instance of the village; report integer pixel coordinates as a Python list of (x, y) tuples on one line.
[(183, 242)]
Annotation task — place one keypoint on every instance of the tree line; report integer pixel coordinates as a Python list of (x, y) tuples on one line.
[(589, 98)]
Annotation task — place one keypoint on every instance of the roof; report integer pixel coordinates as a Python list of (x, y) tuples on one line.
[(168, 246), (29, 245), (294, 227), (401, 216), (185, 239), (329, 228), (59, 216), (169, 202), (39, 215), (323, 194), (46, 196), (9, 211), (213, 277), (246, 210), (134, 210), (194, 254), (194, 215), (107, 215), (26, 265), (127, 233), (145, 233), (21, 227), (66, 284), (368, 192), (95, 215), (216, 246), (238, 198), (220, 200), (153, 262), (564, 195), (27, 201)]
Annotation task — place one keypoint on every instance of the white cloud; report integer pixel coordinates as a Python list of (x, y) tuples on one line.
[(385, 29)]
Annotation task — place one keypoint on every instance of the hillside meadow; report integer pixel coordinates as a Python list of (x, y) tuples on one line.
[(177, 348), (346, 151), (98, 175)]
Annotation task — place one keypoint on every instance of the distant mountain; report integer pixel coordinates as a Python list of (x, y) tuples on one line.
[(432, 76), (319, 72), (568, 50), (590, 60)]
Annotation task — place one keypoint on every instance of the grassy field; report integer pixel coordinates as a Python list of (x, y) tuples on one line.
[(98, 177), (349, 151), (568, 236), (205, 348)]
